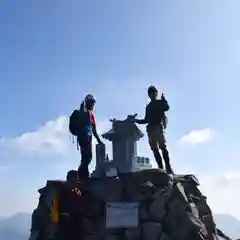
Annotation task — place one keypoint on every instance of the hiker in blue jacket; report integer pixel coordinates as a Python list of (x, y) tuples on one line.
[(85, 128)]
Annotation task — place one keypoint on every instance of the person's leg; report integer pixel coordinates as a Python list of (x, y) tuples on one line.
[(86, 153), (165, 153), (87, 158), (154, 147), (81, 167), (83, 150)]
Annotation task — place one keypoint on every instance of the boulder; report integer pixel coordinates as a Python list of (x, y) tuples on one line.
[(147, 205)]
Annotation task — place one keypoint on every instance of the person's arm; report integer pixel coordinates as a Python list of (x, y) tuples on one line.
[(145, 120), (141, 121), (95, 134), (165, 104)]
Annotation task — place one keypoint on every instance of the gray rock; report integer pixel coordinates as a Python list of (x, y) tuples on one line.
[(94, 208), (164, 237), (158, 207), (152, 231), (164, 192), (133, 233), (91, 237), (132, 191), (183, 230), (178, 186), (170, 223), (196, 223), (194, 209), (168, 209), (177, 207), (113, 237), (108, 189), (143, 213), (157, 210), (156, 176), (87, 226), (34, 235)]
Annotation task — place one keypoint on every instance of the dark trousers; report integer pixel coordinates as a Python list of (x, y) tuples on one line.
[(85, 144)]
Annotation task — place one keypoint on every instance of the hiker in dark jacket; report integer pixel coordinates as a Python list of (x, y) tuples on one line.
[(157, 122), (84, 138)]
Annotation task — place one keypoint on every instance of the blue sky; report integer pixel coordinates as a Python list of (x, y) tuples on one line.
[(54, 52)]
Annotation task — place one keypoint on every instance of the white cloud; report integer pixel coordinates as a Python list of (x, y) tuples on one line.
[(197, 136), (222, 192), (53, 136)]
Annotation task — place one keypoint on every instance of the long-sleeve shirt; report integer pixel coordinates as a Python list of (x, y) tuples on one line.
[(154, 112)]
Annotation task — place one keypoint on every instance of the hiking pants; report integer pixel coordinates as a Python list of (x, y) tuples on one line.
[(157, 141), (156, 138), (85, 144)]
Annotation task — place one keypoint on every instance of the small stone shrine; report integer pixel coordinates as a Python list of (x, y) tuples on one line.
[(124, 136)]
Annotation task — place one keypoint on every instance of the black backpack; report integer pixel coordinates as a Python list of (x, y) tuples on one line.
[(75, 122)]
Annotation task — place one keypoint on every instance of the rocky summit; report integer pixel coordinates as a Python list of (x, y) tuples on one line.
[(143, 205), (121, 202)]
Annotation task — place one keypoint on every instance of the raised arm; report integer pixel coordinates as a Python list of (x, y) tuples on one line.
[(165, 104)]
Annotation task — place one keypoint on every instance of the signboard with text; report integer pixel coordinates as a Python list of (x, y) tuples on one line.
[(121, 214)]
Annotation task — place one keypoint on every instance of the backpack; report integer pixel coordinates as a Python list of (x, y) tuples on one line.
[(75, 120)]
